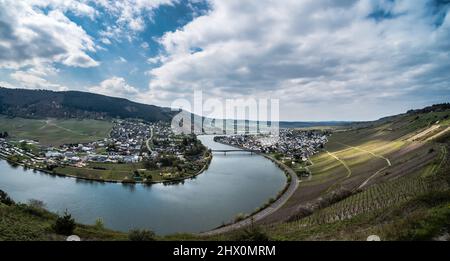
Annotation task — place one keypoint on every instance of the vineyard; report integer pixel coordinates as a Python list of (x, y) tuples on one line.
[(388, 177), (377, 197), (374, 198)]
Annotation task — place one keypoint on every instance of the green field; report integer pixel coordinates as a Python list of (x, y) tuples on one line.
[(124, 172), (55, 131), (110, 171)]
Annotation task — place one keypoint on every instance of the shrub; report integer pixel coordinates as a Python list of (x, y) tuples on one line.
[(64, 225), (252, 233), (34, 207), (149, 179), (5, 199), (333, 197), (141, 235), (150, 164), (239, 217), (301, 212), (99, 223), (35, 203)]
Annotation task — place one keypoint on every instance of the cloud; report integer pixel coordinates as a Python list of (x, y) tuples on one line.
[(79, 8), (35, 77), (155, 60), (27, 79), (131, 15), (309, 54), (29, 35), (121, 60), (115, 86), (7, 84), (105, 41)]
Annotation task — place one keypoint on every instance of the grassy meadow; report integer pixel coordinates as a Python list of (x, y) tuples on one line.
[(20, 222), (55, 132)]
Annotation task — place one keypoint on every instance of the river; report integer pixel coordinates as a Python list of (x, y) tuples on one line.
[(233, 183)]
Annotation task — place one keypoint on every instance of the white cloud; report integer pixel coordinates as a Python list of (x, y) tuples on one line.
[(121, 60), (145, 45), (29, 35), (79, 8), (35, 76), (31, 80), (7, 84), (317, 54), (130, 15), (115, 86), (43, 69), (105, 40), (155, 60)]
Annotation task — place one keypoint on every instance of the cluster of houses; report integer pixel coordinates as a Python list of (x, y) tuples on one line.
[(292, 143), (8, 150), (127, 137), (124, 144), (165, 142), (129, 141)]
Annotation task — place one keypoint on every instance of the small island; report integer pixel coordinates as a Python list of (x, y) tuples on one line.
[(133, 151)]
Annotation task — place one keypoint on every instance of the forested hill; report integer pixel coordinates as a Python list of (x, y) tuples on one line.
[(74, 104)]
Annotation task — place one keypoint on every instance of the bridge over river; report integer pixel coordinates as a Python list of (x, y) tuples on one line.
[(236, 150)]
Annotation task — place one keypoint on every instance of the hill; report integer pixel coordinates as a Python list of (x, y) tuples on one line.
[(25, 222), (389, 177), (74, 104), (313, 124), (55, 132)]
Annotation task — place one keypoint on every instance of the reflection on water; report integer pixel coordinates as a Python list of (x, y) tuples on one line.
[(233, 183)]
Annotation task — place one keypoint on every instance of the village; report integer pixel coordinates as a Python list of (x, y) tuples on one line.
[(291, 144), (131, 142)]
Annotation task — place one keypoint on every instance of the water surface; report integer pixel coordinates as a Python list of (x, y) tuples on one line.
[(234, 183)]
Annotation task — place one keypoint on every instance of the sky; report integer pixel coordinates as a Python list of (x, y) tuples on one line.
[(323, 59)]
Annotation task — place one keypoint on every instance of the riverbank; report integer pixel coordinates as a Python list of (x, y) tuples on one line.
[(233, 184), (206, 156), (28, 223), (268, 208)]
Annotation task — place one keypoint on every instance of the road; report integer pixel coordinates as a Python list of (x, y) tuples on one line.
[(265, 212), (349, 171), (388, 162), (423, 133), (148, 141), (438, 134), (371, 153), (50, 123)]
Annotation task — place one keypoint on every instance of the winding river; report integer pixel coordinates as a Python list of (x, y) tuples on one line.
[(233, 183)]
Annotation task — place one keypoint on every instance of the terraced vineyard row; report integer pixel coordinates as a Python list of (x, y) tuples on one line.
[(374, 198)]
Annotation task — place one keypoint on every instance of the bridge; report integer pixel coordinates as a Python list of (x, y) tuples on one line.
[(235, 150)]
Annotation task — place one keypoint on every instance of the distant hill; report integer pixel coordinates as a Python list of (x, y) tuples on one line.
[(433, 108), (309, 124), (425, 116), (74, 104)]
